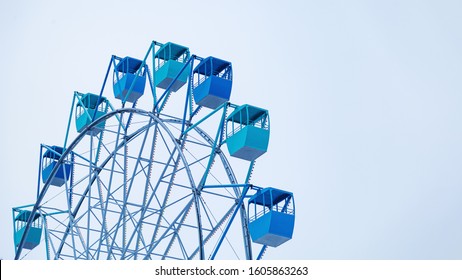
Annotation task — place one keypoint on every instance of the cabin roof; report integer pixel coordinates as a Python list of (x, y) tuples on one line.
[(246, 114), (211, 66), (128, 65), (269, 197), (171, 51)]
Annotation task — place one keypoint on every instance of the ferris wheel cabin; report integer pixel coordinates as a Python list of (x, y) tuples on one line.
[(85, 109), (212, 82), (20, 218), (271, 216), (247, 132), (168, 62), (129, 74), (49, 161)]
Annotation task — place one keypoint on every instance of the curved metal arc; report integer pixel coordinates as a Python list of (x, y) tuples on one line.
[(120, 111)]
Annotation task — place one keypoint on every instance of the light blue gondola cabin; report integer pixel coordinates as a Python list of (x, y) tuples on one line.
[(169, 60), (49, 161), (212, 82), (85, 110), (271, 217), (247, 132), (129, 74), (34, 235)]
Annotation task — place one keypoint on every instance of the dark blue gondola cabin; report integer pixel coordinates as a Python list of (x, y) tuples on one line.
[(212, 82), (49, 161), (88, 106), (247, 132), (20, 218), (129, 79), (271, 217), (169, 60)]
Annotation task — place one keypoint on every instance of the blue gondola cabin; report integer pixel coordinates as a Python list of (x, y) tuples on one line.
[(129, 79), (20, 218), (89, 108), (169, 60), (49, 161), (212, 82), (247, 132), (271, 217)]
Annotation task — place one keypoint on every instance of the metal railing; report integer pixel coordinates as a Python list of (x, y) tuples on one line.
[(261, 213)]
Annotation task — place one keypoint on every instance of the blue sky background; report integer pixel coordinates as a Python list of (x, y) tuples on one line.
[(365, 100)]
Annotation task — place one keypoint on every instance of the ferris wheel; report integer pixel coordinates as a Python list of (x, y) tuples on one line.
[(169, 182)]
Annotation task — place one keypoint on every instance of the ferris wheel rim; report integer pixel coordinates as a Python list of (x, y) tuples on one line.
[(79, 138), (157, 120)]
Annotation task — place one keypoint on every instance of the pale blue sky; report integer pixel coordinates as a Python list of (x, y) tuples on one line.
[(365, 100)]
